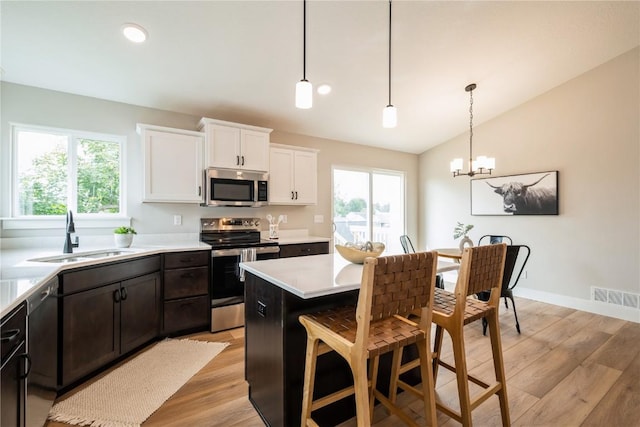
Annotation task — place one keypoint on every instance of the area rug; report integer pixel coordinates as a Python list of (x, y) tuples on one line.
[(130, 393)]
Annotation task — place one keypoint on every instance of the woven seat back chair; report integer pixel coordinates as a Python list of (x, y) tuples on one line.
[(481, 269), (391, 287)]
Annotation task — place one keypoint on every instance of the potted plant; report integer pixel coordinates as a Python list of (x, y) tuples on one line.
[(123, 236), (461, 230)]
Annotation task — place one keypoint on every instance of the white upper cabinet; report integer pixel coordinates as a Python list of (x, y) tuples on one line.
[(173, 169), (293, 175), (235, 146)]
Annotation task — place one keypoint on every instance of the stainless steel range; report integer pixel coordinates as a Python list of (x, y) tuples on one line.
[(233, 240)]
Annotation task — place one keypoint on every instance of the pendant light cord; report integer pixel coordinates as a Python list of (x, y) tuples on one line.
[(304, 40), (470, 128), (389, 52)]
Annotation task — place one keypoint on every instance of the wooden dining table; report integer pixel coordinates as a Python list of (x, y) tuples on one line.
[(452, 253)]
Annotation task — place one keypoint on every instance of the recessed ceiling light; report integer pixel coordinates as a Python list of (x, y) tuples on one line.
[(324, 89), (134, 33)]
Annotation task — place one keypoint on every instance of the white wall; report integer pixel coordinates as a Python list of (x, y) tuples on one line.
[(588, 129), (29, 105)]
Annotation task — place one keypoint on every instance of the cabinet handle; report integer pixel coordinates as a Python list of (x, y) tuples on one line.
[(292, 195), (10, 335), (27, 359), (242, 160), (123, 294), (186, 260), (187, 276), (296, 195), (237, 160), (199, 190), (116, 295)]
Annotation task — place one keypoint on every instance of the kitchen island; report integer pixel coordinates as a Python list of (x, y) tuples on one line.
[(277, 291)]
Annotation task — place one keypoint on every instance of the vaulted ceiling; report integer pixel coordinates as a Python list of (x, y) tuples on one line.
[(240, 60)]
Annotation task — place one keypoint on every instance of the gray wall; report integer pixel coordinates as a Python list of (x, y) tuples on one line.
[(29, 105), (588, 130)]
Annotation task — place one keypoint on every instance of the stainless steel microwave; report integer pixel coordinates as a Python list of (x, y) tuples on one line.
[(232, 187)]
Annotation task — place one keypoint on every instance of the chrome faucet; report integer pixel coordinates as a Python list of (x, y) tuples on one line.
[(70, 228)]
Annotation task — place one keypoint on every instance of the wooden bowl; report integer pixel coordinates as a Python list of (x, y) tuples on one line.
[(356, 255)]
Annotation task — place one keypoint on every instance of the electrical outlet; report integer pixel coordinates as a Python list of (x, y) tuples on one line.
[(284, 219), (177, 220), (318, 219), (524, 274)]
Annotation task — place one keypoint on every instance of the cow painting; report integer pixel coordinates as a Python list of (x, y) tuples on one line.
[(526, 195)]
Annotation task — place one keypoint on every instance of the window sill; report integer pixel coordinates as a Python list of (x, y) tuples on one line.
[(59, 223)]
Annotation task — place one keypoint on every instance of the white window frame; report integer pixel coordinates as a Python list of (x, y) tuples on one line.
[(92, 220), (371, 171)]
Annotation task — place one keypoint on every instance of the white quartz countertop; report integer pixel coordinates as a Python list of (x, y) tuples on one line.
[(21, 277), (309, 276)]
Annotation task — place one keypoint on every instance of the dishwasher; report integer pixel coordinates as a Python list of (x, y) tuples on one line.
[(42, 347)]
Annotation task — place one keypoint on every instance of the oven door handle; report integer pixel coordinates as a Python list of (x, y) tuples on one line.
[(237, 252)]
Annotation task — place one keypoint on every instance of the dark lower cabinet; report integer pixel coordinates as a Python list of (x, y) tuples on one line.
[(275, 346), (304, 249), (13, 368), (187, 307), (102, 323)]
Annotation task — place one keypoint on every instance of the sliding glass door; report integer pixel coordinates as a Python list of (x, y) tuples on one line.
[(368, 205)]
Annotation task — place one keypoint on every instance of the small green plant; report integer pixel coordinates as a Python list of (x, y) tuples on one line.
[(461, 230), (124, 230)]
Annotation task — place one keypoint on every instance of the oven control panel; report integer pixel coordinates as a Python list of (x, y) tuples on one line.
[(224, 224)]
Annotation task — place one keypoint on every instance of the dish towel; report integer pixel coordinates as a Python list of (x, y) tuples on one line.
[(247, 255)]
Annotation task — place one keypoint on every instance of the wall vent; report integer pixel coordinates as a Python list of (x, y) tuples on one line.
[(616, 297)]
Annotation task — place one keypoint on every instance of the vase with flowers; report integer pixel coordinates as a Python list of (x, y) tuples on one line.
[(461, 230)]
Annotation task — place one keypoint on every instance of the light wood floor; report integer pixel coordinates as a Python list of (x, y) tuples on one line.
[(567, 368)]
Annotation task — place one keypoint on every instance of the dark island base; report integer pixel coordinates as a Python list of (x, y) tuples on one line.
[(275, 345)]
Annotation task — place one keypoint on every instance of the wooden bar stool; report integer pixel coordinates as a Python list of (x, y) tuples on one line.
[(391, 288), (481, 269)]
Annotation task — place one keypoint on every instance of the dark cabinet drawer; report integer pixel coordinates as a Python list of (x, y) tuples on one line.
[(304, 249), (187, 259), (92, 277), (186, 314), (186, 282)]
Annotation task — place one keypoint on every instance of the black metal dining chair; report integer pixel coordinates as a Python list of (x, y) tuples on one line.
[(492, 239), (407, 246), (516, 259)]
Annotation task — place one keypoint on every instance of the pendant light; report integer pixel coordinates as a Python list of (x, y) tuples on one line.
[(389, 114), (304, 88), (483, 165)]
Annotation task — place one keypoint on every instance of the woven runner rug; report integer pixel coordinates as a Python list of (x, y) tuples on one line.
[(129, 394)]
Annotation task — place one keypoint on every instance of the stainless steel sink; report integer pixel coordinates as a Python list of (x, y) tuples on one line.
[(82, 256)]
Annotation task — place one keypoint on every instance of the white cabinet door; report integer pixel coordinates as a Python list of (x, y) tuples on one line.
[(254, 147), (292, 176), (281, 176), (235, 146), (306, 177), (223, 146), (172, 165)]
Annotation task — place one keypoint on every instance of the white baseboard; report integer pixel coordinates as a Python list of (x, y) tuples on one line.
[(605, 309)]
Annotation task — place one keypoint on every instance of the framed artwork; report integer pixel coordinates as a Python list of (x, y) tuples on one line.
[(525, 194)]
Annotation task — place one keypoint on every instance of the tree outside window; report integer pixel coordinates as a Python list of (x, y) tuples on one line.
[(57, 171)]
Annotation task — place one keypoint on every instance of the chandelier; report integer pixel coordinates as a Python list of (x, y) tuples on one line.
[(483, 165)]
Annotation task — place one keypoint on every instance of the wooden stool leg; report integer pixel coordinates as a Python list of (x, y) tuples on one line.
[(437, 349), (373, 376), (396, 362), (428, 385), (361, 388), (498, 365), (309, 379), (457, 339)]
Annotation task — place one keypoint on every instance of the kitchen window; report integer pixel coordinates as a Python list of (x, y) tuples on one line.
[(369, 205), (56, 170)]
